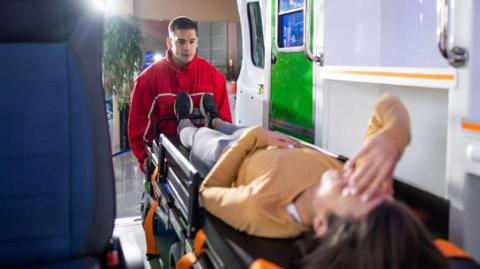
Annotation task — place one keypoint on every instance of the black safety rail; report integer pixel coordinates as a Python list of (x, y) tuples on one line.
[(183, 182)]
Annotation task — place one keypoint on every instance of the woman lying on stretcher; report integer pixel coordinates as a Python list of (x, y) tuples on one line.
[(268, 185)]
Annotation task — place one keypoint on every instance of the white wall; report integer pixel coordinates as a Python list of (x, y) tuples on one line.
[(204, 10)]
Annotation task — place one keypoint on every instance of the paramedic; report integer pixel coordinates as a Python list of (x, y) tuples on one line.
[(156, 87)]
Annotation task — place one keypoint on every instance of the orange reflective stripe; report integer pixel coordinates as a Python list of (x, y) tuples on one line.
[(401, 75), (263, 264), (471, 126), (449, 250), (148, 229), (186, 261), (199, 242)]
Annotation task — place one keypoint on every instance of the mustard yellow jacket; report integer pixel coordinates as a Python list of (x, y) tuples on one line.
[(251, 184)]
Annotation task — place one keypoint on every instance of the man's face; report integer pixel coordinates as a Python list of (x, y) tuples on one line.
[(183, 44), (330, 197)]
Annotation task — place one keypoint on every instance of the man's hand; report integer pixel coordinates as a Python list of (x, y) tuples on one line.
[(279, 140), (374, 173)]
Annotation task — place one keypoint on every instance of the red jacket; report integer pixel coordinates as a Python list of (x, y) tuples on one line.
[(155, 91)]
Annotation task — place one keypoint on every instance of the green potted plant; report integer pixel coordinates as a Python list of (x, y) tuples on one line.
[(122, 61)]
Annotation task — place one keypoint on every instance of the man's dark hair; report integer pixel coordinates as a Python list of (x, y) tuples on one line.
[(182, 23), (390, 236)]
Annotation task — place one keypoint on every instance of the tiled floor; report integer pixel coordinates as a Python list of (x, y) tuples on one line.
[(128, 184)]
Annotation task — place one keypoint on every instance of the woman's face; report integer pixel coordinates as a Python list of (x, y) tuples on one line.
[(331, 196)]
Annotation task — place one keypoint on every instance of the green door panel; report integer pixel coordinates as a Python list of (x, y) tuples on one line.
[(291, 99)]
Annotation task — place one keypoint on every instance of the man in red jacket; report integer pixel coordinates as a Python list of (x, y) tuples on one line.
[(158, 85)]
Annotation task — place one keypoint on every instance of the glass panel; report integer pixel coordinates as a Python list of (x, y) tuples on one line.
[(256, 34), (290, 30), (286, 5)]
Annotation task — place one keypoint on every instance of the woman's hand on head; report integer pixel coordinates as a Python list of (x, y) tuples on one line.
[(279, 140), (374, 173)]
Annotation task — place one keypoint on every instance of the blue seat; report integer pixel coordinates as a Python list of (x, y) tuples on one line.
[(57, 200)]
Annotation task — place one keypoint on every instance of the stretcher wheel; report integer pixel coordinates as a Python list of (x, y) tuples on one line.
[(176, 251)]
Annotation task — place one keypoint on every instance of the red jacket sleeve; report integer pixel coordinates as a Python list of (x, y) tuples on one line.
[(221, 97), (143, 112)]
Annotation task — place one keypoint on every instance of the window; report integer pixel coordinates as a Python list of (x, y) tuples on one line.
[(290, 23), (257, 48), (286, 5)]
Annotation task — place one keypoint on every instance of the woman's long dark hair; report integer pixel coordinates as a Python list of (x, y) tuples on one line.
[(389, 237)]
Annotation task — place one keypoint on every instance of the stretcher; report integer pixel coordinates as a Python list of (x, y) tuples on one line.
[(172, 185)]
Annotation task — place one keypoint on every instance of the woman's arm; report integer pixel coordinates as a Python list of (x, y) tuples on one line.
[(219, 194), (371, 169)]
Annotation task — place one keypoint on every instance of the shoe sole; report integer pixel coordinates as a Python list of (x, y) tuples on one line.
[(191, 105)]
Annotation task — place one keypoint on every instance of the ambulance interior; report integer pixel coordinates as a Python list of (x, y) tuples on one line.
[(312, 69)]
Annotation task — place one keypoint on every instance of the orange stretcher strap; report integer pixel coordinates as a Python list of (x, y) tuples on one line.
[(148, 229), (154, 175), (263, 264), (153, 181), (449, 250), (186, 261), (199, 243)]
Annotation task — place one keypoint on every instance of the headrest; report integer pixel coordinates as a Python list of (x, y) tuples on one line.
[(36, 20)]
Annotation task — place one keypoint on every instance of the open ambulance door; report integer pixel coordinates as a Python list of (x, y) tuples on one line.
[(251, 104)]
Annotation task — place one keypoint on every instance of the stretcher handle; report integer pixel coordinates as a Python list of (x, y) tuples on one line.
[(156, 136), (177, 156)]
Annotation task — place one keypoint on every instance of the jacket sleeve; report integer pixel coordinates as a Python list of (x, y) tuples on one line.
[(220, 195), (391, 118), (221, 97), (142, 113)]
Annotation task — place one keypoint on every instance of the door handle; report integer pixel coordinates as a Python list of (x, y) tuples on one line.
[(318, 58), (456, 56), (273, 58)]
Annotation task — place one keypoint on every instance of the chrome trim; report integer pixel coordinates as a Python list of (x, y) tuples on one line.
[(317, 59), (456, 56), (290, 11)]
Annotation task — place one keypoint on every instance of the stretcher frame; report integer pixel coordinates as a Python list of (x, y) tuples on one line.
[(173, 198), (174, 194), (179, 209)]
